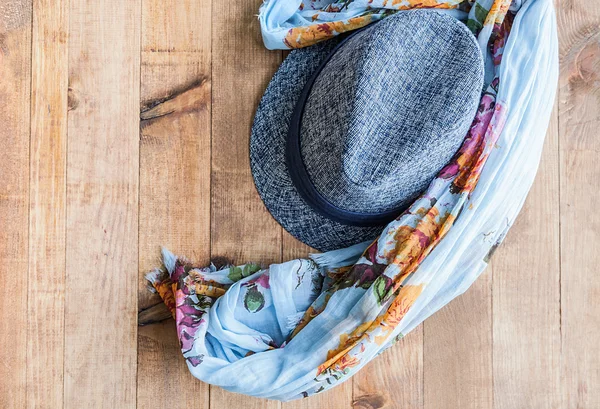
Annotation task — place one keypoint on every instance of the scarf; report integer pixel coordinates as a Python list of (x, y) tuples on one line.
[(301, 327)]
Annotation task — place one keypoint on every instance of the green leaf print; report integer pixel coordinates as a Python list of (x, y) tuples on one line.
[(397, 338), (480, 13), (477, 18), (254, 301), (250, 269), (237, 273), (382, 288)]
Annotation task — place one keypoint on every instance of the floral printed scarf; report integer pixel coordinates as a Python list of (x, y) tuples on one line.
[(304, 326)]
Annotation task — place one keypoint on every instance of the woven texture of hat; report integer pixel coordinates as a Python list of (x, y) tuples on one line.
[(389, 110)]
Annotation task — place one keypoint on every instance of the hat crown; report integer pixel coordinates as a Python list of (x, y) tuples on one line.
[(391, 115), (395, 101)]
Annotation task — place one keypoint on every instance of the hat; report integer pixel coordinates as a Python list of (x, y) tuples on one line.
[(349, 132)]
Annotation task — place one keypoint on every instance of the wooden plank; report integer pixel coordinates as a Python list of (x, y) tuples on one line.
[(15, 79), (293, 249), (579, 109), (45, 328), (526, 291), (102, 204), (174, 179), (164, 380), (241, 228), (395, 378), (458, 351), (339, 397)]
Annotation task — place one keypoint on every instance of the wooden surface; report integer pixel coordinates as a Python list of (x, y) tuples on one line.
[(89, 190)]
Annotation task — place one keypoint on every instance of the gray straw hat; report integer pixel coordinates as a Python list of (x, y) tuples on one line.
[(349, 132)]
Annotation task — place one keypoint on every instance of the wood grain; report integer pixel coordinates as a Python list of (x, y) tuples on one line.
[(526, 296), (292, 249), (579, 119), (164, 380), (47, 213), (102, 204), (15, 80), (174, 179), (241, 228), (395, 378), (458, 351)]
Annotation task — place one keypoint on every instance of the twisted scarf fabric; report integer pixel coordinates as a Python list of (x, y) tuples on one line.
[(301, 327)]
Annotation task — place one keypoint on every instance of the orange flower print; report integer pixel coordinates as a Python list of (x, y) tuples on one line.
[(411, 246), (347, 342), (409, 4), (346, 362), (401, 235), (497, 12), (386, 323), (339, 362), (401, 304), (299, 37), (448, 222), (165, 290), (209, 290), (310, 313)]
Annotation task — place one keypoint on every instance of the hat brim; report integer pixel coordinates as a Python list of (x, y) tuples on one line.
[(268, 157)]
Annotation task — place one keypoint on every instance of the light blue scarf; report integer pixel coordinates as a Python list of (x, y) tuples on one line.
[(301, 327)]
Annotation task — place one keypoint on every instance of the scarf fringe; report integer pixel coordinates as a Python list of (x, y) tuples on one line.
[(169, 260), (159, 274), (340, 258), (154, 277)]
